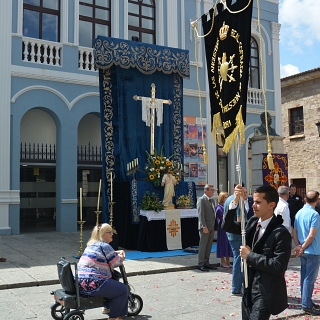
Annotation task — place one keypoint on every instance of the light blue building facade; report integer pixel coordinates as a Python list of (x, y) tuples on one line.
[(50, 138)]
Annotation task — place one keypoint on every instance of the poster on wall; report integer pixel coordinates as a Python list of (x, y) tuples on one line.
[(194, 168)]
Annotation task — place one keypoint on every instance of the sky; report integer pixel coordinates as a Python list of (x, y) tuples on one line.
[(299, 36)]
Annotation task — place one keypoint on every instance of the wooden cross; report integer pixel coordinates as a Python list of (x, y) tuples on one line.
[(152, 106)]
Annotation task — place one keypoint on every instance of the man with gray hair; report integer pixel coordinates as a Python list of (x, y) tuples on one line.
[(206, 222), (282, 208)]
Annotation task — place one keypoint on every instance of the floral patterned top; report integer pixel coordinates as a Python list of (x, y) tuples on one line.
[(95, 266)]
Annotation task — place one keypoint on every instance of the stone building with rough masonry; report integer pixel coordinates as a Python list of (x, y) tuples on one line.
[(300, 116)]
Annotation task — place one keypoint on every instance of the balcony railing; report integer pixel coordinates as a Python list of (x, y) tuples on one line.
[(89, 154), (86, 59), (37, 153), (254, 96), (46, 153), (41, 51)]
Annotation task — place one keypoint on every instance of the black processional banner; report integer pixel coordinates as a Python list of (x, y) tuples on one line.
[(227, 43)]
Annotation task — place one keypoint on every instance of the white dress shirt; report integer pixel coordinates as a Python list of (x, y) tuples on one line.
[(282, 209)]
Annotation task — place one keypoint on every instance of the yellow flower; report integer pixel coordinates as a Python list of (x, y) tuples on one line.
[(168, 163), (158, 157), (177, 178), (158, 170), (151, 177), (157, 162)]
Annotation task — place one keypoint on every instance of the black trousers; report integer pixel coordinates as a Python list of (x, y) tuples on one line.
[(258, 311)]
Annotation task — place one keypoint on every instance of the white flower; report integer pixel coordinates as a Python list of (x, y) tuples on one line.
[(151, 169)]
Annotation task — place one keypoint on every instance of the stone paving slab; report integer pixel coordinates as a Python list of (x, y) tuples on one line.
[(32, 257)]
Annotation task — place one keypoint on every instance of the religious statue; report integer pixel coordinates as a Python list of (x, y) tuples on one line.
[(261, 130), (168, 181)]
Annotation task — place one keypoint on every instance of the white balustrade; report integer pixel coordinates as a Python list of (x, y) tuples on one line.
[(86, 61), (41, 51), (254, 96)]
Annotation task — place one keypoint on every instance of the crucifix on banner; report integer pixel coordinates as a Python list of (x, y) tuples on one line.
[(149, 106)]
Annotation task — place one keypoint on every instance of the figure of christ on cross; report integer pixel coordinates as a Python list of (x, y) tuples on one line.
[(149, 105)]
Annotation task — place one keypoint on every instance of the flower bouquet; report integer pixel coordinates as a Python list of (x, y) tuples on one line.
[(151, 202), (157, 165), (184, 202)]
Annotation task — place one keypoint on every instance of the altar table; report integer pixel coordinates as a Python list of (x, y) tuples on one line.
[(152, 230)]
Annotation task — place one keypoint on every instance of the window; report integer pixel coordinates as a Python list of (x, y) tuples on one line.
[(41, 19), (296, 125), (254, 73), (141, 16), (94, 20)]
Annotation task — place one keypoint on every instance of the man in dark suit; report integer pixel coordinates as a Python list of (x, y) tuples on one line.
[(206, 222), (295, 203), (267, 254)]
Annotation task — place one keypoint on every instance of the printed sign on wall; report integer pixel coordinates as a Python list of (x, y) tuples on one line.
[(194, 168)]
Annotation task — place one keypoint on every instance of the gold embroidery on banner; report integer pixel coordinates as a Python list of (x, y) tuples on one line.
[(226, 75), (223, 32), (173, 228), (108, 128), (177, 118)]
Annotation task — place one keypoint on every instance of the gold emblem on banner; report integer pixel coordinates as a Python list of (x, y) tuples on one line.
[(173, 228), (226, 68), (223, 32)]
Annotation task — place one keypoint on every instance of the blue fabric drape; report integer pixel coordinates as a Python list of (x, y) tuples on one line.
[(126, 69)]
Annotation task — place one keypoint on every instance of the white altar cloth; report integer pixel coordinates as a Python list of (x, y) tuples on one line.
[(184, 213)]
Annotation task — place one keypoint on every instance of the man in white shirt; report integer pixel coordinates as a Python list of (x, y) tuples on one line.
[(282, 207)]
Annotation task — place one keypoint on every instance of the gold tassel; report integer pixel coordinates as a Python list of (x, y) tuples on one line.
[(270, 161), (205, 156)]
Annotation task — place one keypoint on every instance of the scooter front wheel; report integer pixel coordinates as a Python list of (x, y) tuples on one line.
[(135, 305)]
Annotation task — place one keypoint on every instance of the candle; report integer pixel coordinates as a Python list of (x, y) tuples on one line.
[(127, 166), (99, 195), (80, 204), (137, 161), (132, 164), (111, 191)]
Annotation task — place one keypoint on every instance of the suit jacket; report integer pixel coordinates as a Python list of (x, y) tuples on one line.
[(267, 262), (250, 213), (206, 212)]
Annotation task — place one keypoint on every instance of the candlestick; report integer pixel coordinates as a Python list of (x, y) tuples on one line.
[(80, 204), (111, 192), (99, 195)]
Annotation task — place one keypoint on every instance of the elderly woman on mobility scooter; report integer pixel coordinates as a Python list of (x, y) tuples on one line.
[(94, 271)]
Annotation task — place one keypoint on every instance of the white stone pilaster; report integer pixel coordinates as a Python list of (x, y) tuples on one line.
[(172, 24), (76, 23), (183, 28), (20, 17), (64, 22), (115, 11), (125, 20), (159, 22), (275, 27), (5, 105)]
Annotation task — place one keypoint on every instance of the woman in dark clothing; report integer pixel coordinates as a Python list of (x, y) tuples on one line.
[(224, 251)]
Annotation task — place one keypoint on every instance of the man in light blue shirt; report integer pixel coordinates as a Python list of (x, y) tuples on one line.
[(307, 240)]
